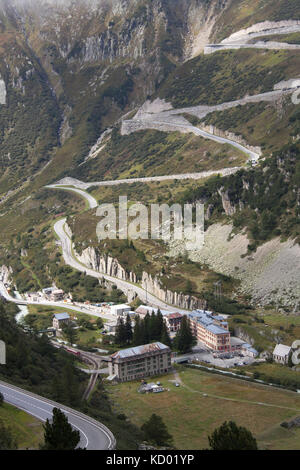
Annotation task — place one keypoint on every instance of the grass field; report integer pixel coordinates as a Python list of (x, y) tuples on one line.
[(26, 429), (191, 416)]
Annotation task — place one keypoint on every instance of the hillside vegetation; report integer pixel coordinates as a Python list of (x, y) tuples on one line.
[(265, 199), (154, 153), (228, 76), (35, 365)]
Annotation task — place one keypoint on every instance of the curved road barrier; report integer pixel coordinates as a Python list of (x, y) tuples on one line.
[(93, 434)]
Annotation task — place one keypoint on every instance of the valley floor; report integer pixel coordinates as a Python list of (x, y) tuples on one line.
[(204, 401)]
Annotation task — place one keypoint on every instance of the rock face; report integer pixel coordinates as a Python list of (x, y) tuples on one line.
[(228, 207), (231, 136), (105, 264), (5, 274), (2, 91), (239, 332), (187, 302)]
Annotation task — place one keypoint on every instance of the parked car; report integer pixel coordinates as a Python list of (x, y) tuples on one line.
[(177, 384)]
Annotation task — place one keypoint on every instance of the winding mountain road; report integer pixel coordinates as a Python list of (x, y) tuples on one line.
[(155, 116), (91, 201), (253, 156), (125, 286), (94, 435), (68, 181)]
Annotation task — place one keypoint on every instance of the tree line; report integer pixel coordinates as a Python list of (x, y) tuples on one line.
[(153, 328)]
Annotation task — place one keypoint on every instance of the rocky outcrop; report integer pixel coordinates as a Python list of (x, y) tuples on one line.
[(2, 91), (5, 274), (154, 286), (65, 130), (231, 136), (228, 206), (105, 264)]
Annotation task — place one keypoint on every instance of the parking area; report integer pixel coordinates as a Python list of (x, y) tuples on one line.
[(225, 360)]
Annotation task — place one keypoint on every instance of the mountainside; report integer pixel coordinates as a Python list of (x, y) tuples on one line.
[(104, 90)]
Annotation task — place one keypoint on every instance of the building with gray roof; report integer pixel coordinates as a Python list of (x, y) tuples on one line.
[(140, 361)]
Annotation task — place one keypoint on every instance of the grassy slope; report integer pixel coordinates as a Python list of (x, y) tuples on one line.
[(266, 125), (190, 416), (154, 153), (26, 429), (227, 76)]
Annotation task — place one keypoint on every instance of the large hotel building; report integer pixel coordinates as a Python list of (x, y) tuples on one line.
[(140, 361), (212, 330)]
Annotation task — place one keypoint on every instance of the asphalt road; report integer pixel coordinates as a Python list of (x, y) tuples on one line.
[(76, 308), (94, 435), (90, 199), (147, 179), (253, 156)]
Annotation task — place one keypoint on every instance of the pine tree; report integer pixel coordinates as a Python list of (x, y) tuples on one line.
[(152, 325), (136, 339), (157, 326), (59, 435), (143, 333), (165, 337), (121, 332), (184, 339), (156, 431), (70, 334), (128, 327), (229, 436), (147, 329)]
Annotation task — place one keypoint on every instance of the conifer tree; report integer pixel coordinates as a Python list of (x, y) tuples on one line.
[(184, 339), (152, 325), (229, 436), (147, 329), (59, 435), (165, 337), (136, 339), (128, 327), (156, 431), (121, 332)]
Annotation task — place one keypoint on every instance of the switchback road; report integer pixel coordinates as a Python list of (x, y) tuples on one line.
[(94, 435)]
